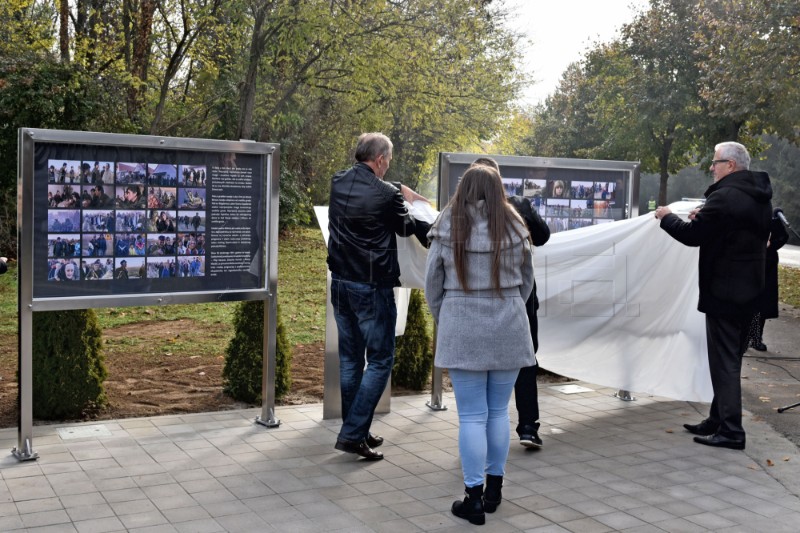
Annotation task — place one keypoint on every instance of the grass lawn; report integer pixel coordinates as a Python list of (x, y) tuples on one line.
[(301, 296)]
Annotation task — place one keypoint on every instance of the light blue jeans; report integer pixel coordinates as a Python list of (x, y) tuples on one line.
[(483, 423)]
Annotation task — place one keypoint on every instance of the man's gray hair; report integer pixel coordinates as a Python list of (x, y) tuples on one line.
[(735, 152), (371, 145)]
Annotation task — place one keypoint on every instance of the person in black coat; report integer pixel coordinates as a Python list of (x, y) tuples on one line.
[(731, 230), (768, 303), (526, 392)]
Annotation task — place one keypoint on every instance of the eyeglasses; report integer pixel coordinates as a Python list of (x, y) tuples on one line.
[(715, 161)]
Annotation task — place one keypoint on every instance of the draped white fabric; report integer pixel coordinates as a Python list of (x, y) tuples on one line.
[(618, 305)]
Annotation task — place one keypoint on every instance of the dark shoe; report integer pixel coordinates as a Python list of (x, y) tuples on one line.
[(704, 428), (373, 441), (493, 494), (360, 448), (721, 441), (759, 345), (530, 440), (472, 507)]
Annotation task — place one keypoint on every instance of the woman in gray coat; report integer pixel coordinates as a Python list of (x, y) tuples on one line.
[(479, 275)]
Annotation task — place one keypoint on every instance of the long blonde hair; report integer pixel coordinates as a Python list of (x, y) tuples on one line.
[(481, 182)]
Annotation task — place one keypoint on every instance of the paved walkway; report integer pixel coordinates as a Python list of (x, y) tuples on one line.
[(607, 465)]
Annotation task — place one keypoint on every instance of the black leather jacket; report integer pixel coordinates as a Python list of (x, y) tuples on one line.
[(365, 215)]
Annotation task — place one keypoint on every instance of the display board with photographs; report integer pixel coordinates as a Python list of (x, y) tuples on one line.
[(565, 198), (122, 220)]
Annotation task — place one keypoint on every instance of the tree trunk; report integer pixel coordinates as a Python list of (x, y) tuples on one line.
[(247, 97), (63, 30), (141, 30)]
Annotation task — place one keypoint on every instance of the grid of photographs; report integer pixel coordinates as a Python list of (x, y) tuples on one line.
[(125, 220), (566, 205)]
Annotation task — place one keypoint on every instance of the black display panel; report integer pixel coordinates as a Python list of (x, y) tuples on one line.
[(565, 198), (113, 220)]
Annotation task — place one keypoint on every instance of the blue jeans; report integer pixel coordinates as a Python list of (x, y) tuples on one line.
[(365, 318), (483, 423)]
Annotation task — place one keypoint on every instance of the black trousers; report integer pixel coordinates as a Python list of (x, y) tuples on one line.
[(726, 338), (526, 393)]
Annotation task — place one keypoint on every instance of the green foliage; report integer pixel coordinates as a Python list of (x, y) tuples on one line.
[(295, 204), (68, 365), (413, 354), (243, 370)]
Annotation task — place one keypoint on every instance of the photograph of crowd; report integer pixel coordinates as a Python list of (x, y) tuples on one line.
[(97, 244), (162, 268), (579, 208), (63, 245), (189, 221), (582, 189), (129, 244), (131, 173), (604, 190), (162, 175), (191, 244), (513, 186), (63, 196), (95, 269), (98, 172), (575, 223), (192, 175), (63, 270), (557, 224), (533, 188), (66, 221), (162, 198), (60, 171), (557, 207), (131, 221), (190, 267), (122, 219), (160, 245), (192, 198)]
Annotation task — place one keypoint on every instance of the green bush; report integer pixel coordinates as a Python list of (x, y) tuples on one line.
[(244, 355), (413, 355), (295, 207), (68, 364)]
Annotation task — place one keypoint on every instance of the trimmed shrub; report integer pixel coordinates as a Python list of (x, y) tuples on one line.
[(68, 364), (413, 354), (243, 368)]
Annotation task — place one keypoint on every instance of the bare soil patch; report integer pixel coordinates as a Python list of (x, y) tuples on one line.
[(142, 382)]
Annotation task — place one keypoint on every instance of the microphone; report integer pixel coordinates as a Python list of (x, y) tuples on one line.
[(782, 218)]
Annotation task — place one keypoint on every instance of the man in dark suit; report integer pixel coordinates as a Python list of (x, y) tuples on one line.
[(731, 230)]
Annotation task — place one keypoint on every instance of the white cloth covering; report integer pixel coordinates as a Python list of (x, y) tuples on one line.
[(618, 305)]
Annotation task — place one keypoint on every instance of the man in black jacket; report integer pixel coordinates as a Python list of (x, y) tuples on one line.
[(731, 230), (365, 215)]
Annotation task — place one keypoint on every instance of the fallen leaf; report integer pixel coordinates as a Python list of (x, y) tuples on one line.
[(202, 373), (785, 458), (770, 463), (764, 399), (669, 431), (752, 467)]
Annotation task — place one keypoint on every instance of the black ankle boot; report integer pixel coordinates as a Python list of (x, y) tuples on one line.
[(472, 507), (493, 494)]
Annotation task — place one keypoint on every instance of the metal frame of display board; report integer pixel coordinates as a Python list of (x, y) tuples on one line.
[(266, 157)]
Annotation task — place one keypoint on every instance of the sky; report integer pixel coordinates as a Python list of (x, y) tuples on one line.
[(557, 32)]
